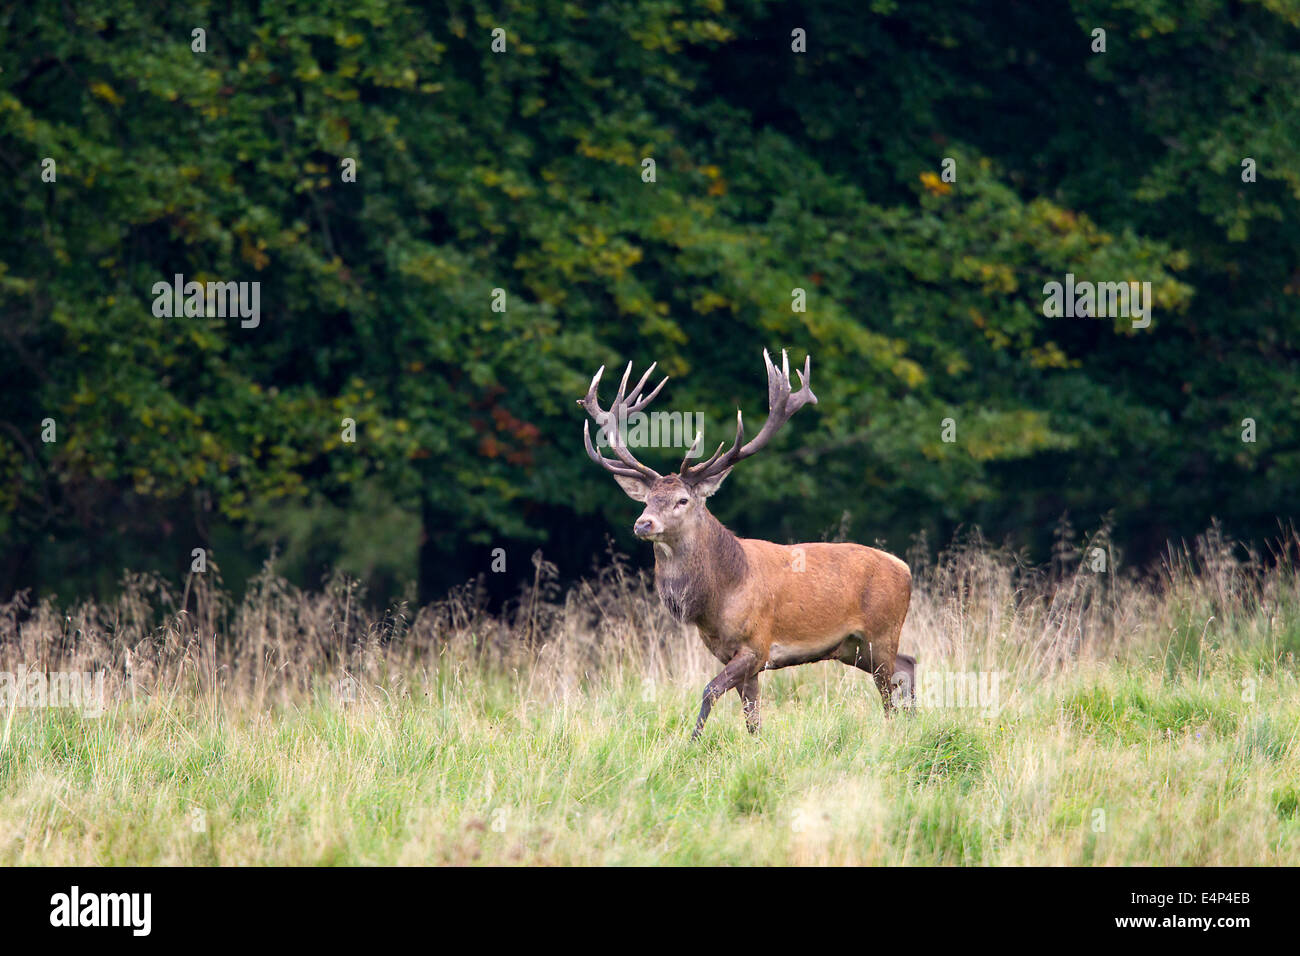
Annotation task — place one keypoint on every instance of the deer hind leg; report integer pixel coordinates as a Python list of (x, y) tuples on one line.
[(748, 691), (882, 661), (905, 680)]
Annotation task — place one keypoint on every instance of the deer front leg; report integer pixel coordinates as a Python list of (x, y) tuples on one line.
[(740, 667)]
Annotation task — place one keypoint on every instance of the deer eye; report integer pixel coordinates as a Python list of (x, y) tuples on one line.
[(683, 501)]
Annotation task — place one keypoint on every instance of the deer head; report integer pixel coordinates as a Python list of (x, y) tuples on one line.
[(674, 504)]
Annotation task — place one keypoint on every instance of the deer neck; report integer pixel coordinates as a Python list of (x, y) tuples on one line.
[(696, 570)]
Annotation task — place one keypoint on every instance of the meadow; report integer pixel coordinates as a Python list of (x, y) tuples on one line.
[(1138, 720)]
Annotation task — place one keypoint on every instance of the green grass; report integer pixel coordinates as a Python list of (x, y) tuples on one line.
[(479, 772)]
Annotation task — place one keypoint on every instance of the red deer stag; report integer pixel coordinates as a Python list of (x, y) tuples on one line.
[(757, 605)]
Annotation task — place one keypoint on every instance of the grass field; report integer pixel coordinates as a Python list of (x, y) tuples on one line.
[(1137, 722)]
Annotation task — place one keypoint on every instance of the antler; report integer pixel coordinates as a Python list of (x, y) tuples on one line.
[(781, 403), (624, 405)]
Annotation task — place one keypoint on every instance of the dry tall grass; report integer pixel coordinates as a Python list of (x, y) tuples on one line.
[(975, 608)]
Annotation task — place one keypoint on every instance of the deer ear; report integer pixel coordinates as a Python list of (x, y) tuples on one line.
[(635, 488), (708, 486)]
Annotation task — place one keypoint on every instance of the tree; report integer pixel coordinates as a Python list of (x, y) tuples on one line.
[(449, 239)]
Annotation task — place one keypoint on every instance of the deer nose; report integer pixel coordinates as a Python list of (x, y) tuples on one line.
[(645, 526)]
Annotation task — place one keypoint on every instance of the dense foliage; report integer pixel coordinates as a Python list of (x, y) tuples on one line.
[(523, 171)]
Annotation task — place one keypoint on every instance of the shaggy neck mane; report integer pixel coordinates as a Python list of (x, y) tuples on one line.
[(694, 572)]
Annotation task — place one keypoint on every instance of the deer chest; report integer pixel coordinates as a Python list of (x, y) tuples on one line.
[(679, 597)]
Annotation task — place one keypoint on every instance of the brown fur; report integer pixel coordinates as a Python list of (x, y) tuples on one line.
[(756, 611)]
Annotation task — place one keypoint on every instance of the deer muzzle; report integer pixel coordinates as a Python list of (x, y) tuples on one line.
[(647, 527)]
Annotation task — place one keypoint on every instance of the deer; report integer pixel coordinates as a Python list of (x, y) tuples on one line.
[(757, 605)]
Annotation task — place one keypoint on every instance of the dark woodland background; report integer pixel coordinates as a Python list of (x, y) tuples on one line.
[(522, 171)]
